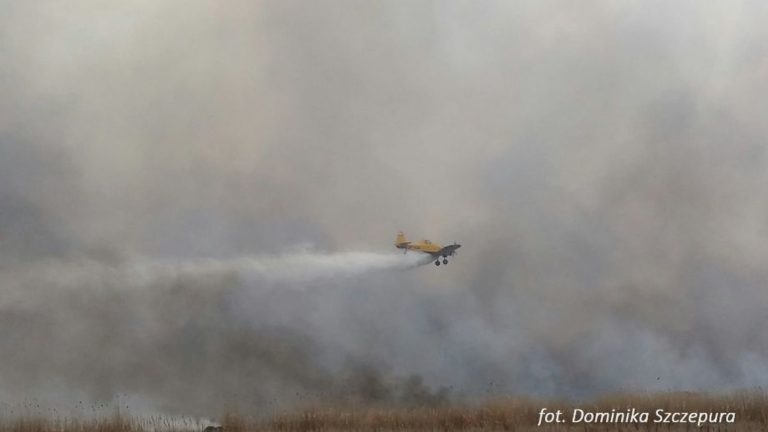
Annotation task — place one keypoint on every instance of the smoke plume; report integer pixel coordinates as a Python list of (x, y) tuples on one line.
[(602, 164), (197, 315)]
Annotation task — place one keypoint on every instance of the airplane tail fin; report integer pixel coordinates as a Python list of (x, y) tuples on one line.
[(401, 241)]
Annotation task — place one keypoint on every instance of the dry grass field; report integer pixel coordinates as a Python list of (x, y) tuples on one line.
[(750, 412)]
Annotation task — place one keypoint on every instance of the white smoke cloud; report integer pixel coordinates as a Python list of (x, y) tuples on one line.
[(606, 161), (230, 312)]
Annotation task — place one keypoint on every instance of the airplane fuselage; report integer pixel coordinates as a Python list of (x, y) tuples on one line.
[(421, 246), (426, 246)]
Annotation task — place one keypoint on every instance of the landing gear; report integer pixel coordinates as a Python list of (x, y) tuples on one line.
[(445, 261), (437, 263)]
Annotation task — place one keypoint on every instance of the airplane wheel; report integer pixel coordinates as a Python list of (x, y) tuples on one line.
[(445, 261), (437, 263)]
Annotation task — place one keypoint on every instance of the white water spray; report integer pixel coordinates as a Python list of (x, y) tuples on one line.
[(295, 267), (292, 269)]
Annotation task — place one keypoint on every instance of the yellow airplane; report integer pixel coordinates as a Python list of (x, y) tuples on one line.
[(426, 246)]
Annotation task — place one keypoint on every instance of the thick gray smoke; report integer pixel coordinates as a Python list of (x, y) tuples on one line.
[(603, 165), (188, 330)]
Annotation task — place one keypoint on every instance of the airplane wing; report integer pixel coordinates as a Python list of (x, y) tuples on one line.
[(448, 250)]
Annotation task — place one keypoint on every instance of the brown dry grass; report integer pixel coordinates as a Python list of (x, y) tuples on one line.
[(751, 411)]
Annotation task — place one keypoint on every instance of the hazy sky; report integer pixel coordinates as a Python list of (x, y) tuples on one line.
[(603, 164)]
